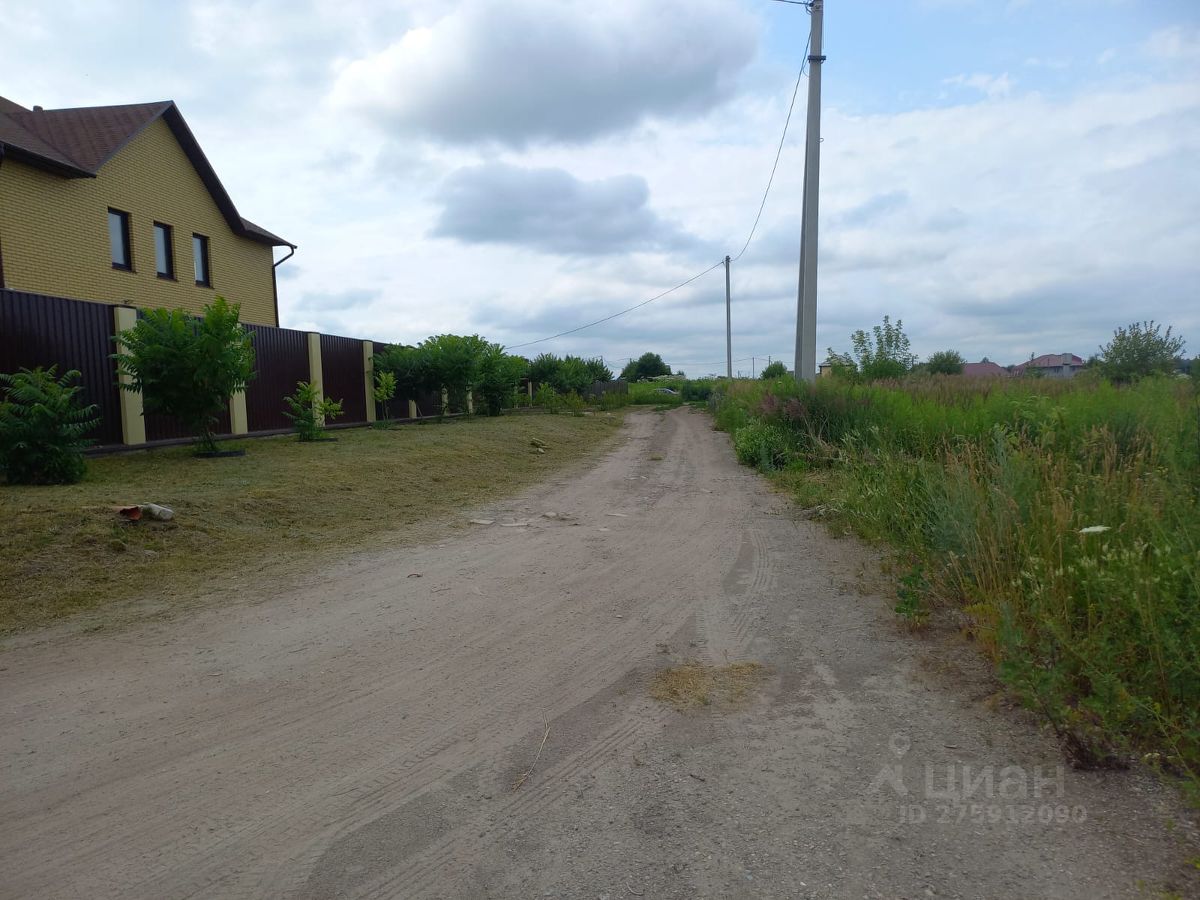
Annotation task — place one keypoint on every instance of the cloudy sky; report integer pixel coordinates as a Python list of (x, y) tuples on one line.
[(1006, 177)]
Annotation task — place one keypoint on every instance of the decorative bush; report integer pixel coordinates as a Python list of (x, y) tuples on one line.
[(309, 412), (42, 427), (188, 367), (385, 389)]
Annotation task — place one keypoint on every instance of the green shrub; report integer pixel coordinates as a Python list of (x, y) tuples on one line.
[(187, 367), (42, 427), (385, 389), (1140, 349), (773, 370), (547, 398), (574, 403), (766, 447), (309, 412), (500, 375), (611, 400)]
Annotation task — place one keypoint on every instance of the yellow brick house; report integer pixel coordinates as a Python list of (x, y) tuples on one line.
[(119, 204)]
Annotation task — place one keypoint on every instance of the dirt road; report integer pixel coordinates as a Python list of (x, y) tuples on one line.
[(360, 736)]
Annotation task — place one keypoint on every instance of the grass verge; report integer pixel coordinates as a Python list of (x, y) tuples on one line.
[(1060, 519), (283, 508)]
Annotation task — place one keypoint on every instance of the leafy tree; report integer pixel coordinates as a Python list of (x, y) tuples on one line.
[(409, 366), (499, 376), (598, 371), (310, 412), (544, 368), (773, 370), (573, 375), (945, 362), (453, 364), (42, 427), (1138, 350), (885, 353), (648, 365), (188, 367)]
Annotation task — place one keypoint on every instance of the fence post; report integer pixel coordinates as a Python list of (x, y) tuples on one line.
[(470, 403), (239, 423), (412, 409), (445, 400), (314, 367), (133, 425), (369, 377)]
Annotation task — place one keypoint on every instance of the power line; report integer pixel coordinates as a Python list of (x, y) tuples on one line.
[(621, 313), (779, 151), (753, 228)]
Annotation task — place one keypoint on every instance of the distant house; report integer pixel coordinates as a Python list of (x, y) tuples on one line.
[(1052, 365), (985, 368), (119, 204), (828, 367)]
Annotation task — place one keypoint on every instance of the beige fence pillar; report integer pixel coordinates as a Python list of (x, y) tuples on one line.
[(133, 426), (239, 422), (314, 367), (470, 403), (369, 377), (445, 399), (412, 409)]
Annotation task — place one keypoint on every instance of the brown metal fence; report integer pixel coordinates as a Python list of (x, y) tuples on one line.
[(36, 330), (282, 362), (342, 376), (39, 330)]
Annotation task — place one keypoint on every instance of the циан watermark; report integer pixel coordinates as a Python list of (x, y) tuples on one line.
[(960, 793)]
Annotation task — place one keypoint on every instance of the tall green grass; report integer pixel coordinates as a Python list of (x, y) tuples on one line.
[(1063, 518)]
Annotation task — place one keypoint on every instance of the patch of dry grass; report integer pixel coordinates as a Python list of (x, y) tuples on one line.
[(283, 509), (691, 685)]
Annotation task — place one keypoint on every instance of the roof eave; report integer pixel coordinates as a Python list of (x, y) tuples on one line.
[(29, 158)]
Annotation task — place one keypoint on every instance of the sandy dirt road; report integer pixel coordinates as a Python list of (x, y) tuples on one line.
[(360, 736)]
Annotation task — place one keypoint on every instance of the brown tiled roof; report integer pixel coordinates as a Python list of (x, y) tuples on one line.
[(89, 135), (1051, 361), (76, 143), (985, 369)]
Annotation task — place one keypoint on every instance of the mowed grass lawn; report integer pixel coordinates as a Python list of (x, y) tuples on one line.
[(283, 509)]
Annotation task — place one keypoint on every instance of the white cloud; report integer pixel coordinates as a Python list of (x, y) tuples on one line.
[(525, 70), (990, 85), (1174, 43)]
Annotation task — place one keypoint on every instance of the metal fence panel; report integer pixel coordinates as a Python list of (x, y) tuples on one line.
[(342, 376), (36, 330), (281, 361)]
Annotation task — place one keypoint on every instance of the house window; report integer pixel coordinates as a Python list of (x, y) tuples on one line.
[(200, 259), (118, 238), (164, 251)]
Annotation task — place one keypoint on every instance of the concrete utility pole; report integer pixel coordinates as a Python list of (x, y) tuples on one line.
[(806, 301), (728, 327)]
